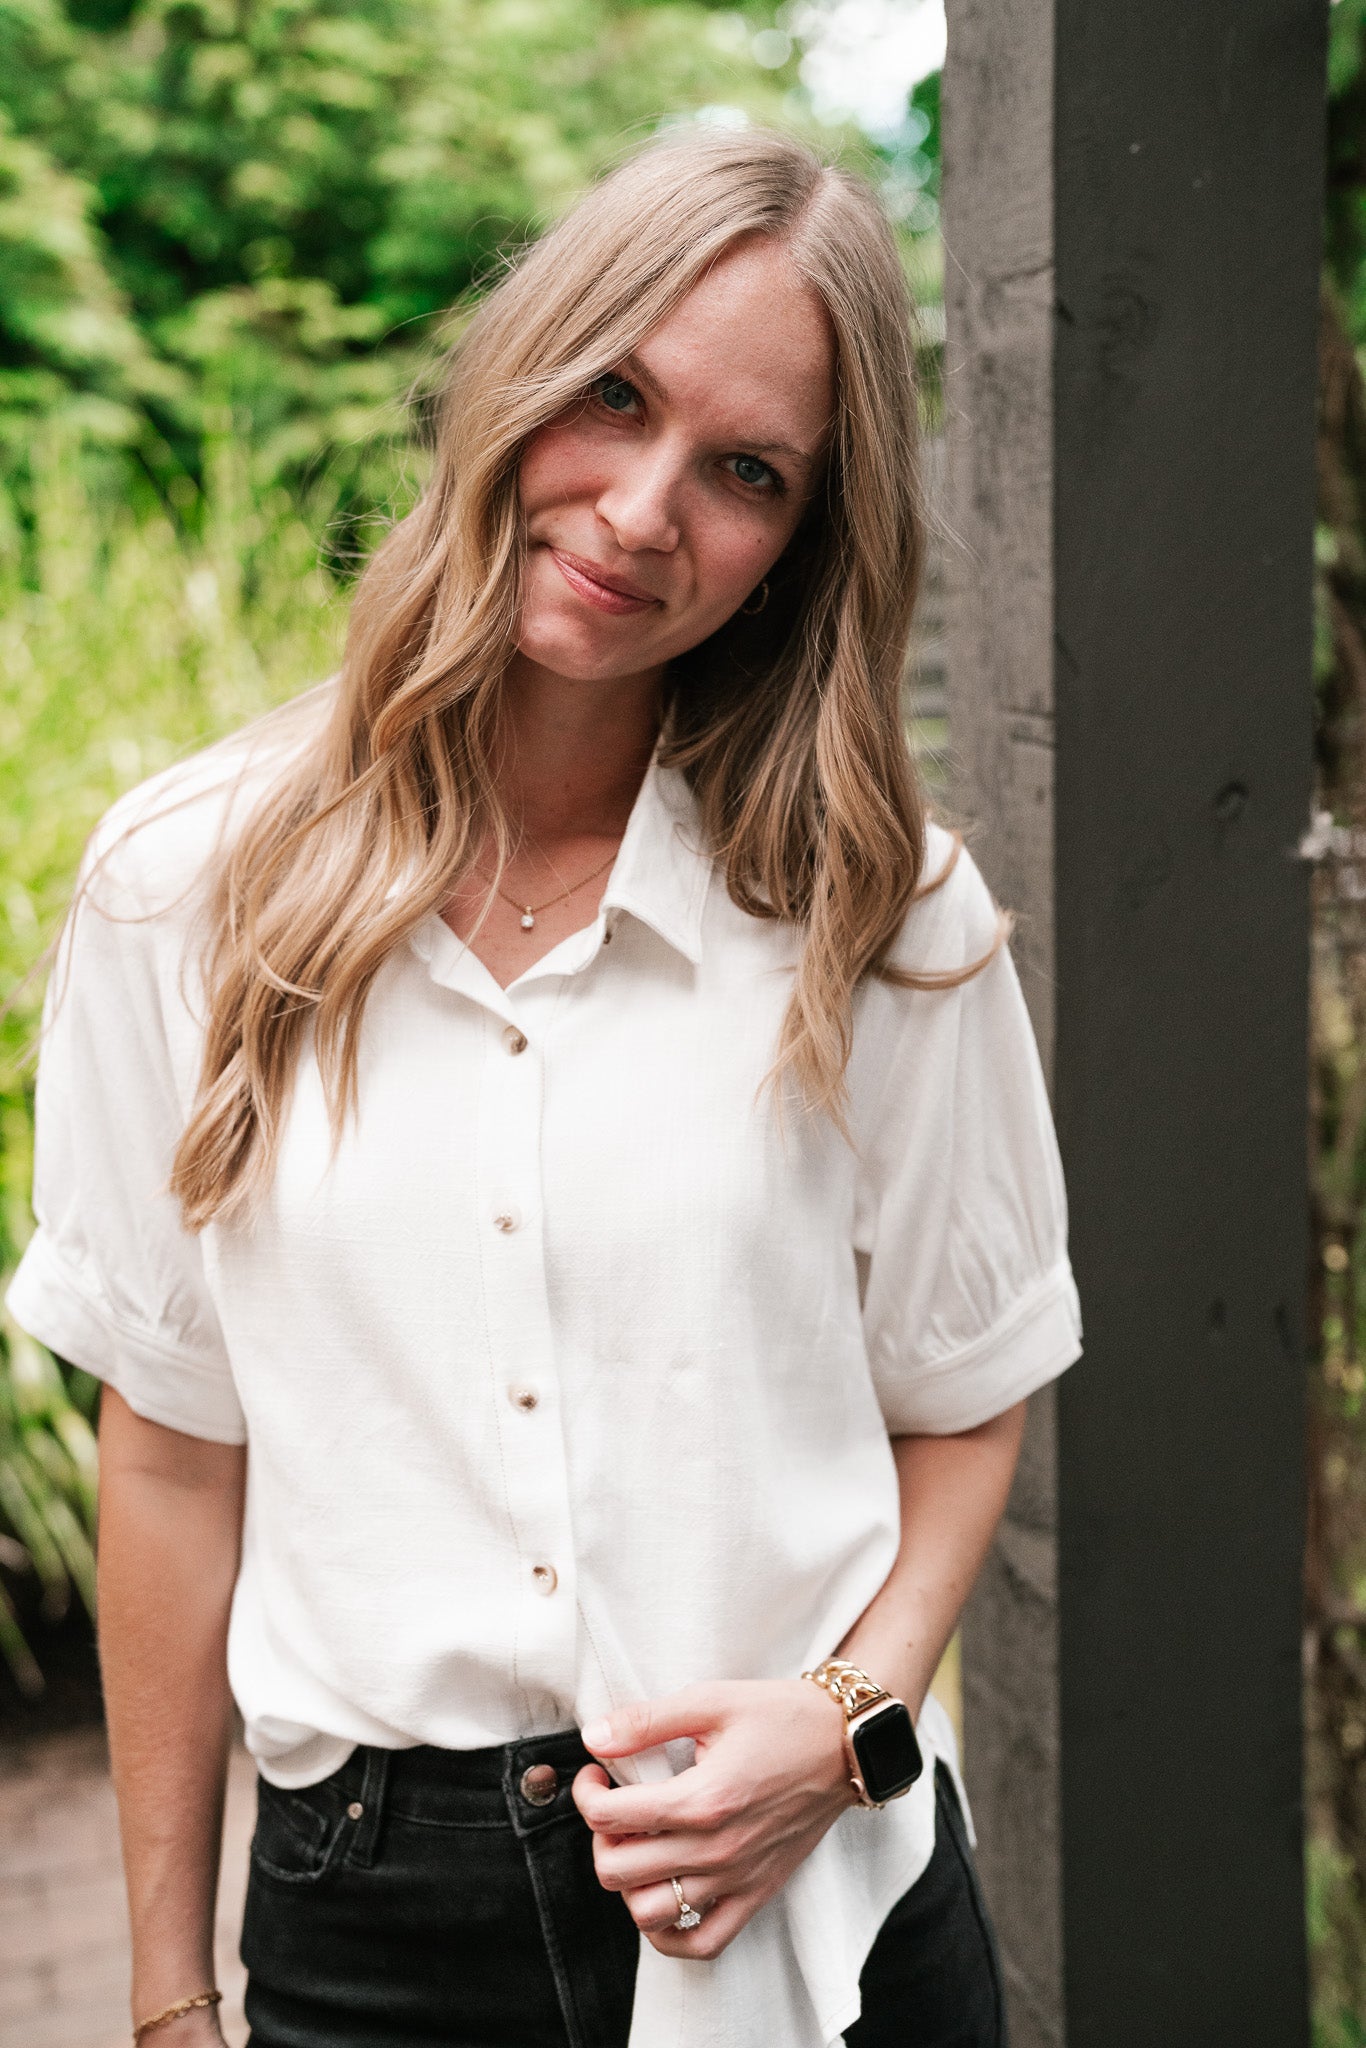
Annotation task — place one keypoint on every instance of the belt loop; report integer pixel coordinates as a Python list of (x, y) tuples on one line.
[(365, 1840)]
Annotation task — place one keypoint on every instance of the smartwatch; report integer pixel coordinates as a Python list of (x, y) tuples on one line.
[(879, 1734)]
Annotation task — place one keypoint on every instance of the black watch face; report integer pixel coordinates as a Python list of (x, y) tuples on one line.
[(889, 1759)]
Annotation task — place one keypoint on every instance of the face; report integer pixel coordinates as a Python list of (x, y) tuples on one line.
[(656, 506)]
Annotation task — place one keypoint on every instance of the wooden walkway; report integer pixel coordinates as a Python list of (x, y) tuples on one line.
[(63, 1921)]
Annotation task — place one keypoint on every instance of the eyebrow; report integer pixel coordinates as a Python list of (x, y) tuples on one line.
[(652, 384)]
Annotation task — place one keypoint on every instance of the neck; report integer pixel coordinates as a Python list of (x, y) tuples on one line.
[(575, 753)]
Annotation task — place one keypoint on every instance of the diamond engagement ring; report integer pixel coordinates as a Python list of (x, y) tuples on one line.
[(688, 1916)]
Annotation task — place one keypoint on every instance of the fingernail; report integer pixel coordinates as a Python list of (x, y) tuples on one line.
[(597, 1734)]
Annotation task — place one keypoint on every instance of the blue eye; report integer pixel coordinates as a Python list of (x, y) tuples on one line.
[(751, 471), (615, 393)]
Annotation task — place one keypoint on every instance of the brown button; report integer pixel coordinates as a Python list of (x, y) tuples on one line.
[(524, 1398), (507, 1219), (546, 1577), (514, 1040), (540, 1784)]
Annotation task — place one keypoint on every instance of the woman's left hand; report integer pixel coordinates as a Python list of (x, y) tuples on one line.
[(770, 1777)]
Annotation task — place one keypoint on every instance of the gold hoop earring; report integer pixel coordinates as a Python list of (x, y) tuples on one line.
[(752, 611)]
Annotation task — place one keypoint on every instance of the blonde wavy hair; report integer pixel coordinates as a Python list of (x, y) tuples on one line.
[(787, 725)]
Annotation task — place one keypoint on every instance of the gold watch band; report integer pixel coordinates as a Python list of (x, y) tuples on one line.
[(845, 1682)]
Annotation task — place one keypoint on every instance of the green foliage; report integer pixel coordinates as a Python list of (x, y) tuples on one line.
[(68, 343), (273, 203), (1345, 208)]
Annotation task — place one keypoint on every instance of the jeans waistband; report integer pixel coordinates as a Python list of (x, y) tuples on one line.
[(470, 1787)]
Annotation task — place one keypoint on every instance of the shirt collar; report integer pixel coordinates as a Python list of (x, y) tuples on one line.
[(662, 871)]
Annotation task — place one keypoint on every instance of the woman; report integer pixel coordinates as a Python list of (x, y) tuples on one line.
[(551, 1098)]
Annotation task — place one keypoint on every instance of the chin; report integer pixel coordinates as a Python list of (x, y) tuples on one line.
[(568, 655), (583, 651)]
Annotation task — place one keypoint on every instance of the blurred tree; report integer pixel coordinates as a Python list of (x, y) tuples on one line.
[(1335, 1576), (270, 203), (1345, 203), (66, 338)]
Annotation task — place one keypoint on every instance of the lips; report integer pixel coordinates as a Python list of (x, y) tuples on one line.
[(606, 593)]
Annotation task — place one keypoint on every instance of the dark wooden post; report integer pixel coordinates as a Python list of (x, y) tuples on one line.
[(1132, 205)]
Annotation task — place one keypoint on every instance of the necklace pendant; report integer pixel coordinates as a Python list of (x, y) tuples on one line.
[(528, 921)]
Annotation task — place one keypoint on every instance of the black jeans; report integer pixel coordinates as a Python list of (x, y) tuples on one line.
[(427, 1898)]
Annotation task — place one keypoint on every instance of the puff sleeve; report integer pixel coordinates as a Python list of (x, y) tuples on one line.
[(969, 1302), (111, 1280)]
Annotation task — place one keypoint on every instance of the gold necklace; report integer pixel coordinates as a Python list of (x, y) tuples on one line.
[(531, 911)]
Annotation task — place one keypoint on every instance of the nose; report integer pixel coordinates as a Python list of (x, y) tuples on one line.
[(641, 502)]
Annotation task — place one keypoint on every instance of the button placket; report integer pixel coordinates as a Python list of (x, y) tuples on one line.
[(522, 1360)]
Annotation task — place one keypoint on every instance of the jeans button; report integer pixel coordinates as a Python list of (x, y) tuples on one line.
[(540, 1784)]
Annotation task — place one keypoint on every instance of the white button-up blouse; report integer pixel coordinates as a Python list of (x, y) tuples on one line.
[(570, 1380)]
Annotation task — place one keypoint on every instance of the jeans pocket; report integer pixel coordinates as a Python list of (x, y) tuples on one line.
[(298, 1835)]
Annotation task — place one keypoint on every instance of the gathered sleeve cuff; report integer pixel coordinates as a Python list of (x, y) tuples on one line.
[(60, 1308), (111, 1280), (1033, 1341), (969, 1302)]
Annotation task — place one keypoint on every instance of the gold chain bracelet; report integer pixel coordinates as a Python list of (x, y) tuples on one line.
[(174, 2012)]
